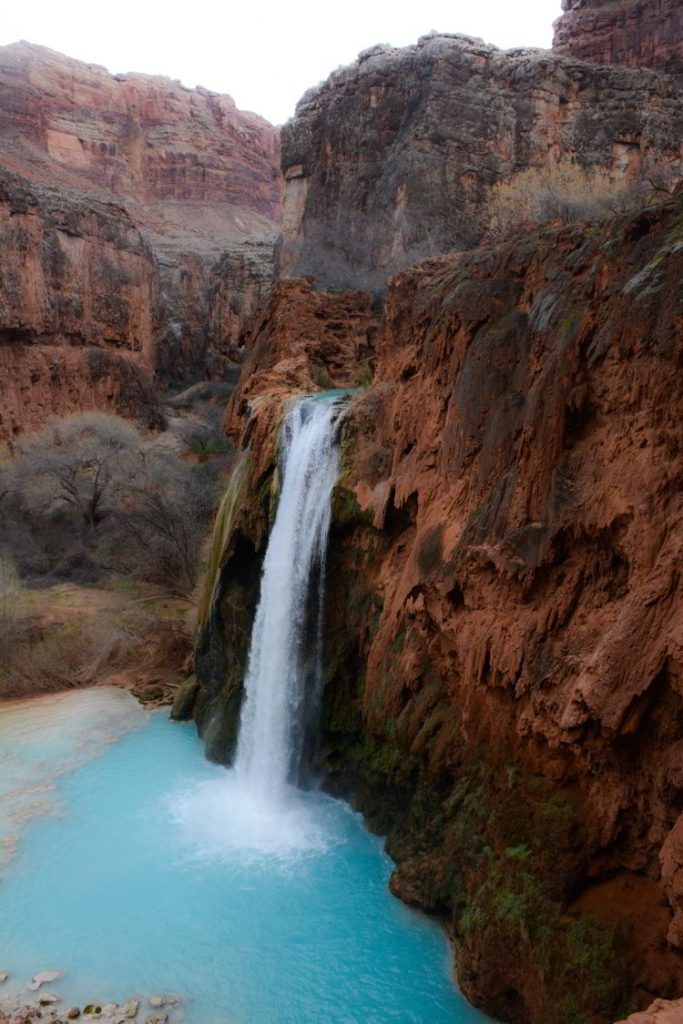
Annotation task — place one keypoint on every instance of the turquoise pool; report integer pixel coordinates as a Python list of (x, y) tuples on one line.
[(131, 865)]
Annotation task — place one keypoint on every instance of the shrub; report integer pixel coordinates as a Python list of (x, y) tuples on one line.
[(321, 378), (89, 494), (163, 521), (569, 193), (10, 616)]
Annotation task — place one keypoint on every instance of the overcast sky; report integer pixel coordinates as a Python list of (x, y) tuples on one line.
[(264, 53)]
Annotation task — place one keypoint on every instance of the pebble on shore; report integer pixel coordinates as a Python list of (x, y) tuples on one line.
[(41, 1008)]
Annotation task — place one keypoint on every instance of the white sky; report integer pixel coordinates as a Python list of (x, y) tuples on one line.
[(264, 53)]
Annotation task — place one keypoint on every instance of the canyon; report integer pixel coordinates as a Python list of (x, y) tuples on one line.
[(502, 694), (138, 224)]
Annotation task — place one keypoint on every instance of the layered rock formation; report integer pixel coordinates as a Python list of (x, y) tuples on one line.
[(79, 307), (391, 159), (139, 219), (504, 690), (636, 33)]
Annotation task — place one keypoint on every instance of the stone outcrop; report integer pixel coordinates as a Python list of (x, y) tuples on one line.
[(503, 643), (138, 218), (660, 1012), (636, 33), (392, 158), (79, 307)]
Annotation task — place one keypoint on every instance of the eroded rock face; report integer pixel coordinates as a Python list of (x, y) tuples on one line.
[(391, 159), (138, 217), (660, 1012), (503, 644), (636, 33), (79, 307)]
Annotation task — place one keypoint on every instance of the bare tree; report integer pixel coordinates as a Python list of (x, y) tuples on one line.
[(80, 461), (100, 497), (165, 515)]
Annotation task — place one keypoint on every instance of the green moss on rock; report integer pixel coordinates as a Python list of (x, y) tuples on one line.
[(184, 700)]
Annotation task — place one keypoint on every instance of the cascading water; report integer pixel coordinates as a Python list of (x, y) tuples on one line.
[(256, 808), (278, 683)]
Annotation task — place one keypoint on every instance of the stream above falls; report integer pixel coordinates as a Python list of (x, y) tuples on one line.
[(123, 875)]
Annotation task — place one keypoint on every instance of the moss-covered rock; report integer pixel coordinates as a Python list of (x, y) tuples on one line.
[(184, 700)]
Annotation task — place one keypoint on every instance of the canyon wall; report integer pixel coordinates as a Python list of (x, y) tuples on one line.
[(391, 159), (79, 307), (637, 33), (138, 218), (504, 690)]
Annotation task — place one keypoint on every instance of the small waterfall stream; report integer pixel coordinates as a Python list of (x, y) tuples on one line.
[(279, 683)]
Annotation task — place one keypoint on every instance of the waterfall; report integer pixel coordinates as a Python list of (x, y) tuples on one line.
[(283, 682)]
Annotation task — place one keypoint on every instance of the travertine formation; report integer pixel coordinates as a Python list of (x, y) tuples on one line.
[(138, 218), (504, 648), (636, 33), (392, 158), (504, 690)]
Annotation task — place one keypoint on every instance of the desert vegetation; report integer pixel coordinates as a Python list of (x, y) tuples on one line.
[(569, 193), (101, 536)]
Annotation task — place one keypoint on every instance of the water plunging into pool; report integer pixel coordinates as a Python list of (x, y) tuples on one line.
[(144, 868), (256, 809)]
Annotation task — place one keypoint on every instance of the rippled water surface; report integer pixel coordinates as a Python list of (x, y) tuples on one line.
[(135, 866)]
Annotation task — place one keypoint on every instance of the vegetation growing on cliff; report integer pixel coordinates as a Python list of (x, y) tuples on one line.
[(569, 192)]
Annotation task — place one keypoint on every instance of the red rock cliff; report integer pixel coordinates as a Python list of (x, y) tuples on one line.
[(504, 690), (636, 33), (392, 158), (139, 220)]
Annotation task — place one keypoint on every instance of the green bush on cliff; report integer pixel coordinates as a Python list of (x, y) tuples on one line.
[(321, 378)]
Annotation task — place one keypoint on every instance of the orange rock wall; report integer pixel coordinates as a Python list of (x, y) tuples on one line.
[(137, 217), (636, 33), (505, 659)]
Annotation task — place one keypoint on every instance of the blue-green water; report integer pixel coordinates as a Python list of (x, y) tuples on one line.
[(126, 880)]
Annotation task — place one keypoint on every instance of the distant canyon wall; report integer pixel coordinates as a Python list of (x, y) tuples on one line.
[(635, 33)]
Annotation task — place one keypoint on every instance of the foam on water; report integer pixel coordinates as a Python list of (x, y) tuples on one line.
[(224, 818)]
